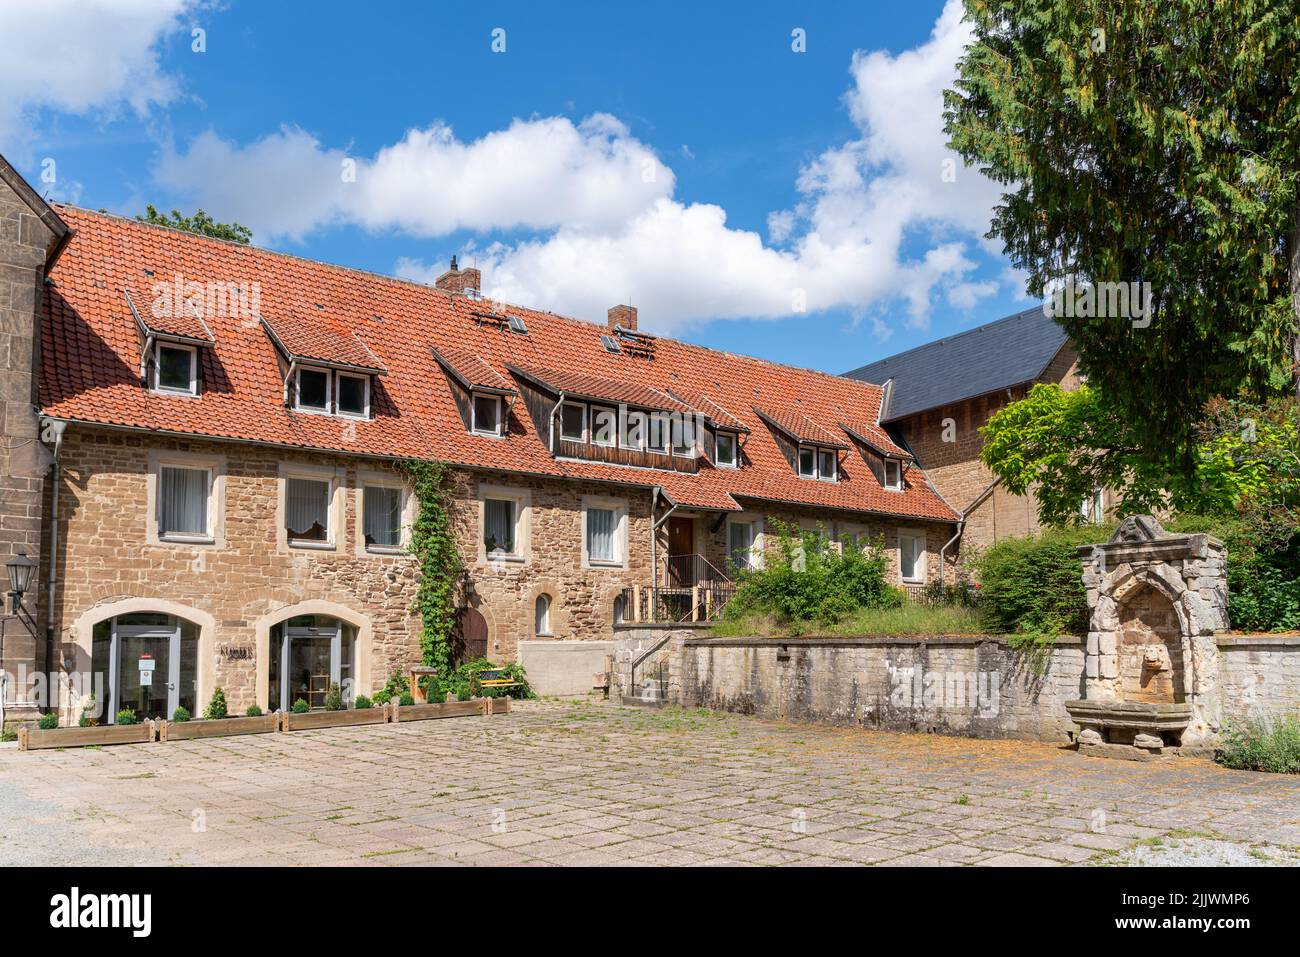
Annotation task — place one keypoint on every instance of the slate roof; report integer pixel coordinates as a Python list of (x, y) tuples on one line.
[(988, 358), (90, 352)]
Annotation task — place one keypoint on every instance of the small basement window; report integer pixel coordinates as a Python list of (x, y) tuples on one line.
[(487, 414), (176, 369)]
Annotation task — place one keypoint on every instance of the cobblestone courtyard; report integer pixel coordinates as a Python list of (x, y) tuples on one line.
[(560, 782)]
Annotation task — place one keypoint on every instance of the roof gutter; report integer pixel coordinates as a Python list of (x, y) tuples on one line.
[(961, 523)]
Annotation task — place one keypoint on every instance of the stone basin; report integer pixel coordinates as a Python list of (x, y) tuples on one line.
[(1136, 730)]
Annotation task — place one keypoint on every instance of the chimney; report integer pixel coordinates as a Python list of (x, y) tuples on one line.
[(457, 280), (624, 316)]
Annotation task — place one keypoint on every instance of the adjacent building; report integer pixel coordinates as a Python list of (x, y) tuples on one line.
[(207, 449), (937, 396)]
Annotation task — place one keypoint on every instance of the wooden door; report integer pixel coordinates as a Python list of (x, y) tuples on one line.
[(472, 630), (681, 551)]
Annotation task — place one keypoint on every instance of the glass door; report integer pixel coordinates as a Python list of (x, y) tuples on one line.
[(311, 659), (147, 656)]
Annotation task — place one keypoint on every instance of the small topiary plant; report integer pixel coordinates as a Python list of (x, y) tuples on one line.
[(361, 702), (301, 707), (126, 716), (406, 700), (181, 713), (48, 722), (216, 707), (253, 711), (334, 698)]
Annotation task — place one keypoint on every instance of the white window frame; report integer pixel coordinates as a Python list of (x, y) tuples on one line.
[(687, 425), (642, 431), (835, 464), (592, 412), (1092, 509), (383, 480), (756, 544), (619, 507), (338, 378), (203, 538), (297, 390), (335, 484), (585, 432), (523, 524), (157, 385), (474, 399), (216, 468), (543, 628), (735, 450), (922, 559), (897, 485), (665, 433), (799, 461)]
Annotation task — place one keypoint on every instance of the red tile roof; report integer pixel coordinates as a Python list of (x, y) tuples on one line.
[(90, 372), (313, 338), (169, 318), (579, 386), (473, 371), (800, 428)]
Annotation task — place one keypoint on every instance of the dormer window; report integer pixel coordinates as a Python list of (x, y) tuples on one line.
[(604, 426), (487, 414), (893, 475), (818, 463), (331, 392), (726, 450), (573, 422), (352, 394), (176, 369), (313, 390)]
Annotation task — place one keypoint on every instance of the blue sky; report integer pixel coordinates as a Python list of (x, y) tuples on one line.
[(792, 205)]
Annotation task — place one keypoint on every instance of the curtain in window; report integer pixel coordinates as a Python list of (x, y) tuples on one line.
[(383, 516), (499, 525), (307, 509), (184, 498), (909, 549), (600, 534)]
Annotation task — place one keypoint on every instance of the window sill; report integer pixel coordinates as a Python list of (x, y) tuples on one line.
[(312, 546), (183, 393), (186, 540), (385, 550), (597, 563), (503, 557)]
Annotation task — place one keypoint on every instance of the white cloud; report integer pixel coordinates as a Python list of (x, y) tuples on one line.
[(82, 57), (535, 174), (877, 220)]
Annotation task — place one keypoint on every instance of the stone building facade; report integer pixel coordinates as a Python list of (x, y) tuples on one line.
[(220, 488)]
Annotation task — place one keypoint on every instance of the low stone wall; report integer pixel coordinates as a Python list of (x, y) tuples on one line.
[(663, 643), (958, 684), (972, 685)]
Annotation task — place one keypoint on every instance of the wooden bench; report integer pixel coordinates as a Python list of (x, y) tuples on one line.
[(494, 678)]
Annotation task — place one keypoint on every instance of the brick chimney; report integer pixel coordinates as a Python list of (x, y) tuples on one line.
[(458, 280), (624, 316)]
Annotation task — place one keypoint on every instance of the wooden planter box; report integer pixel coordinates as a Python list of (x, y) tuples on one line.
[(333, 719), (217, 728), (451, 709), (32, 739)]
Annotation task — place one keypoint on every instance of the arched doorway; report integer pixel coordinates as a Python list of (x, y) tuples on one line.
[(472, 629), (146, 662), (307, 655)]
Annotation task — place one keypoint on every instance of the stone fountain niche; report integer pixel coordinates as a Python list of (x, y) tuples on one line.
[(1156, 601)]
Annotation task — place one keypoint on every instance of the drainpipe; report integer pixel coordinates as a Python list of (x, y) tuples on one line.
[(53, 429), (551, 442), (961, 523)]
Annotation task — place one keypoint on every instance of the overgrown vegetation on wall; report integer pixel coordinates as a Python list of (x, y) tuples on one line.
[(806, 582), (433, 543)]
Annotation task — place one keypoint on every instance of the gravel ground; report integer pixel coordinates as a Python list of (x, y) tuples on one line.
[(1206, 852)]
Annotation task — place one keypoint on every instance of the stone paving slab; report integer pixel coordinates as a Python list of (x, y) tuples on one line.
[(585, 783)]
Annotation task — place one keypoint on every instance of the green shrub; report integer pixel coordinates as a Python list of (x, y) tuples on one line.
[(301, 707), (9, 734), (126, 716), (86, 721), (181, 714), (1035, 585), (334, 698), (464, 681), (1263, 744), (48, 722), (396, 686), (406, 700), (807, 580), (216, 707), (253, 711), (361, 702)]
